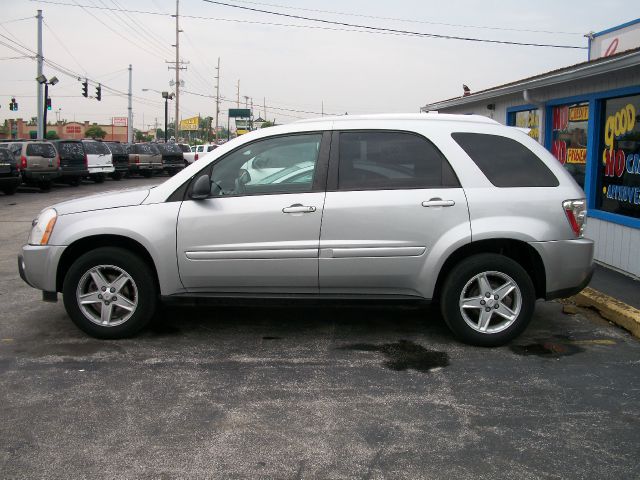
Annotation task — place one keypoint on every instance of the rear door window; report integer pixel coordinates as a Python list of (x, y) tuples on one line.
[(71, 149), (45, 150), (505, 162), (96, 148), (391, 160)]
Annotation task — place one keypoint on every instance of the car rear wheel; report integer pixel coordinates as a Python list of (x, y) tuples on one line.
[(147, 173), (487, 300), (10, 190), (116, 175), (110, 293), (45, 185)]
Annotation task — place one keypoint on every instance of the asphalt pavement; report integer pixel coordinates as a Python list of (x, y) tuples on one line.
[(305, 390)]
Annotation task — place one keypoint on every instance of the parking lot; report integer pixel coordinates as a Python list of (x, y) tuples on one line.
[(306, 390)]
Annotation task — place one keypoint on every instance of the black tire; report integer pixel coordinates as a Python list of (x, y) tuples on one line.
[(44, 185), (459, 282), (116, 175), (75, 181), (98, 178), (10, 190), (147, 173), (135, 268)]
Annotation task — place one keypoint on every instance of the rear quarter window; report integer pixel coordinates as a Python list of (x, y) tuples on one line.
[(505, 162)]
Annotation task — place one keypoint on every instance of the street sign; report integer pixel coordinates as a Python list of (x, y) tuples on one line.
[(119, 121), (239, 113), (189, 124)]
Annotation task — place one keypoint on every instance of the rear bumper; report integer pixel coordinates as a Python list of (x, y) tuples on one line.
[(7, 182), (95, 169), (73, 172), (138, 167), (568, 265), (38, 265), (30, 175)]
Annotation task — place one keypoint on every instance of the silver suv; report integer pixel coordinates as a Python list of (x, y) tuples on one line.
[(459, 210)]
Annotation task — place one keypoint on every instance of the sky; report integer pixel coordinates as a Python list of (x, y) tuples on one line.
[(310, 70)]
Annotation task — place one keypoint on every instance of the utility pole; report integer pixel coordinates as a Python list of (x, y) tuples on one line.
[(264, 105), (246, 101), (323, 108), (238, 95), (177, 66), (130, 108), (217, 98), (40, 60)]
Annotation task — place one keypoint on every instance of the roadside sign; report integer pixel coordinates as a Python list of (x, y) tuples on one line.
[(239, 113), (189, 124), (119, 121)]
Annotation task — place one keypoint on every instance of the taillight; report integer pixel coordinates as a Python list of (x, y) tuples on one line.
[(136, 158), (23, 162), (86, 161), (576, 212), (195, 157), (58, 157)]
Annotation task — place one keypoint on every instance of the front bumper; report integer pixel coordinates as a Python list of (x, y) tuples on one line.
[(38, 265), (568, 265)]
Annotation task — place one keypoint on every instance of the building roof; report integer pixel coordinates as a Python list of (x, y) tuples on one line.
[(619, 61)]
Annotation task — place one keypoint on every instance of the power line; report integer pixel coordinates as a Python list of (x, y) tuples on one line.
[(368, 27), (407, 20), (355, 28), (63, 46), (15, 20)]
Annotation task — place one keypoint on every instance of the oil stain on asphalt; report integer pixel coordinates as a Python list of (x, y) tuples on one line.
[(405, 355), (551, 348)]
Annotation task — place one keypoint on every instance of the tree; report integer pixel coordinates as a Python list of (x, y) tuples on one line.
[(141, 137), (51, 135), (94, 131), (267, 124)]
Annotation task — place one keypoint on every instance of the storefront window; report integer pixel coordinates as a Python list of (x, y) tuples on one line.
[(619, 155), (569, 139), (528, 119)]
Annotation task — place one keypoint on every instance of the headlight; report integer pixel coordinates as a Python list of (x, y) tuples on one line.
[(43, 227)]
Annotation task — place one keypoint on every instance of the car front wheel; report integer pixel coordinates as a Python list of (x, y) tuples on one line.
[(487, 300), (110, 293)]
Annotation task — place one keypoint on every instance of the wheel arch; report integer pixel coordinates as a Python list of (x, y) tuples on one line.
[(86, 244), (517, 250)]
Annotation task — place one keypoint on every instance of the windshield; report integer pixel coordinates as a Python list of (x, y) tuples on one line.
[(117, 148), (96, 148)]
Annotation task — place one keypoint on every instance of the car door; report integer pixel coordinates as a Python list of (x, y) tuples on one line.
[(256, 235), (391, 197)]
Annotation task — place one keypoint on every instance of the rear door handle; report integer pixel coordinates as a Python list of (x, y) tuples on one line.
[(298, 208), (438, 202)]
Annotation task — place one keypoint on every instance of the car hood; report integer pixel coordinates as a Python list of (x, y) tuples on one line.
[(114, 199)]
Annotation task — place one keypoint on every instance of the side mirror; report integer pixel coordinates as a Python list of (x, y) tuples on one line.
[(202, 188)]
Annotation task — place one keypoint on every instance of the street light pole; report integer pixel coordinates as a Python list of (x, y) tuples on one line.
[(166, 114)]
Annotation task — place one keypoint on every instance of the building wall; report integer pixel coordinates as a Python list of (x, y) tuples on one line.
[(616, 244), (70, 130)]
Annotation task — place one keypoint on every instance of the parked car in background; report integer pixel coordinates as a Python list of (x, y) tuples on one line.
[(198, 151), (10, 178), (456, 209), (100, 160), (172, 157), (73, 161), (120, 157), (144, 159), (38, 162)]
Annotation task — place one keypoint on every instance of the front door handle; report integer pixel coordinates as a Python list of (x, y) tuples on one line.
[(298, 208), (438, 202)]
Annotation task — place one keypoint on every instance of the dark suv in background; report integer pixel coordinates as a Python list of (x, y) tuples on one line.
[(73, 161), (9, 172), (172, 157), (120, 152)]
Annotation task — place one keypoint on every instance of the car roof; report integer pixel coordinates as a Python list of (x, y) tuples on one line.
[(429, 116)]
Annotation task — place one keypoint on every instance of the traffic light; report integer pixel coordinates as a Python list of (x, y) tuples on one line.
[(13, 105), (85, 88), (48, 104), (99, 92)]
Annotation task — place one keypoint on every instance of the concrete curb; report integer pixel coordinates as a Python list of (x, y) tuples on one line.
[(610, 308)]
